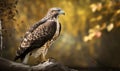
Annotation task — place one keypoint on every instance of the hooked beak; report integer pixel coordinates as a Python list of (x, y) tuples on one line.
[(62, 12)]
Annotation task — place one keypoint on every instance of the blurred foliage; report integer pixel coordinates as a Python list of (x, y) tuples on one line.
[(105, 16), (87, 29)]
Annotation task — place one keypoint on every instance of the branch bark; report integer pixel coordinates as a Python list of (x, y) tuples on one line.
[(50, 65)]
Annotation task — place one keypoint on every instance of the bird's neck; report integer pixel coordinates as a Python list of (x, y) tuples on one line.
[(50, 17)]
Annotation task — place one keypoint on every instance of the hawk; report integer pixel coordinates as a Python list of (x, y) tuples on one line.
[(40, 36)]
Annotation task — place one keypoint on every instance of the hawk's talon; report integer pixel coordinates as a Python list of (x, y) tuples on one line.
[(51, 59)]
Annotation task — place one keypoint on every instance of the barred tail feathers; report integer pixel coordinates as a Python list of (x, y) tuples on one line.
[(19, 54)]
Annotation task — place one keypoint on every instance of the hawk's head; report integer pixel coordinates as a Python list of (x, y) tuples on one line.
[(54, 12)]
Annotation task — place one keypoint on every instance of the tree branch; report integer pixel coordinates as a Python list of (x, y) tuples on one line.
[(50, 65)]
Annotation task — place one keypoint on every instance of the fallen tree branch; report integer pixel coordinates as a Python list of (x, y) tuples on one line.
[(50, 65)]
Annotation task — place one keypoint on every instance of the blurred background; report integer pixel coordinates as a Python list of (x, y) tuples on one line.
[(90, 34)]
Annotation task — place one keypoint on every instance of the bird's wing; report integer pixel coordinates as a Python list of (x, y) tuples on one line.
[(35, 26), (37, 38)]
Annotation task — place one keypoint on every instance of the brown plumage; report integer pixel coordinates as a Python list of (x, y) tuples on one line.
[(41, 35)]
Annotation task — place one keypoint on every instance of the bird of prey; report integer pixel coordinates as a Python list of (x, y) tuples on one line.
[(40, 36)]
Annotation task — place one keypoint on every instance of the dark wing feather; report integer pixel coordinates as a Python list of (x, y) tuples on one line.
[(35, 26), (37, 38)]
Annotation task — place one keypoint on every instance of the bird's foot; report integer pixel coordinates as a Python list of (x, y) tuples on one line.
[(44, 60), (51, 59)]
